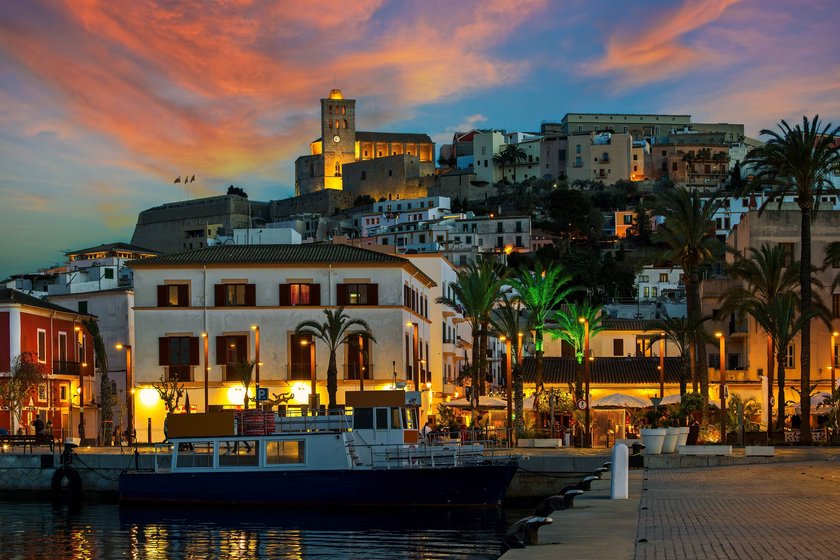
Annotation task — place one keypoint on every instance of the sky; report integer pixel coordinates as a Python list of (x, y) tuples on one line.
[(103, 103)]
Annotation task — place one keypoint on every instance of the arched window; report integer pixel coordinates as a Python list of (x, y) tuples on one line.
[(343, 110), (338, 169), (345, 123)]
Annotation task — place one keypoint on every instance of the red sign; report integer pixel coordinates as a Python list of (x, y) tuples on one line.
[(581, 404)]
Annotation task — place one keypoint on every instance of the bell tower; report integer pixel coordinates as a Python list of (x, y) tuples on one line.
[(338, 136)]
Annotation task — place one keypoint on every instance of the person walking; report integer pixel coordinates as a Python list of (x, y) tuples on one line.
[(39, 425)]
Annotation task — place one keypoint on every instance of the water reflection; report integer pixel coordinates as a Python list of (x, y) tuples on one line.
[(105, 530)]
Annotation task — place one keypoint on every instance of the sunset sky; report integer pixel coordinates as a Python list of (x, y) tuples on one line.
[(104, 102)]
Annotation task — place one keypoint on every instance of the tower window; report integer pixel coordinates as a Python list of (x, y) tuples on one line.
[(343, 110), (330, 124), (338, 169), (345, 123)]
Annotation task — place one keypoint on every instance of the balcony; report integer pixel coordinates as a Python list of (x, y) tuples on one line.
[(63, 367)]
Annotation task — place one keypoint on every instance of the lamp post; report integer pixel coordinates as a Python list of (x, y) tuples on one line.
[(256, 329), (585, 321), (361, 364), (509, 423), (720, 337), (206, 371), (80, 358), (662, 365), (415, 369), (129, 392), (834, 336)]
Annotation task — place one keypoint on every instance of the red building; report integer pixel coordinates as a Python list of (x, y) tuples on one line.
[(57, 338)]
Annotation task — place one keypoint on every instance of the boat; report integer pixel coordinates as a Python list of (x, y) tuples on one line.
[(371, 456)]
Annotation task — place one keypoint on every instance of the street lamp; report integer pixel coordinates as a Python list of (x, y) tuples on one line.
[(206, 371), (129, 392), (720, 337), (585, 322), (256, 329), (662, 365), (509, 423)]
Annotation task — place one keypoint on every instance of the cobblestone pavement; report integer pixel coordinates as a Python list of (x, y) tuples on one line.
[(768, 511)]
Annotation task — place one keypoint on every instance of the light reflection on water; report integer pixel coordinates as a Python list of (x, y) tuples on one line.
[(31, 529)]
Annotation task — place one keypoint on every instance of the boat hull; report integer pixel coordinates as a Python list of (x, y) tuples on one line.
[(469, 485)]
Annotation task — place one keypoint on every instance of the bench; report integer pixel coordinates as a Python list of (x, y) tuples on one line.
[(26, 441), (524, 532), (705, 450)]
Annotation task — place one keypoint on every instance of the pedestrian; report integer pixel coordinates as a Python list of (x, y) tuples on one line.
[(48, 429), (39, 425), (426, 431)]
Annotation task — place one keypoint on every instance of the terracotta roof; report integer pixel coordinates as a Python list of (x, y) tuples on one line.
[(627, 324), (410, 137), (605, 370), (314, 253), (10, 296), (119, 246)]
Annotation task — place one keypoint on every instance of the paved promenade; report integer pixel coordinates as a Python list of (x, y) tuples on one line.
[(784, 510)]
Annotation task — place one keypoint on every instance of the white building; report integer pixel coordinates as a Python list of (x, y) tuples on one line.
[(222, 292), (655, 283)]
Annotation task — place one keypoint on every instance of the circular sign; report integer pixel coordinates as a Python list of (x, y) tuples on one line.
[(581, 404)]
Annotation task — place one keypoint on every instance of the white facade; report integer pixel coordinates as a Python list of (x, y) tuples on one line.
[(388, 318), (485, 146), (659, 283)]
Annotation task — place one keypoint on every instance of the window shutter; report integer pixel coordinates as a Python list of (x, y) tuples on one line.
[(221, 350), (341, 294), (163, 351), (251, 295), (163, 291), (194, 351), (314, 294), (373, 294), (219, 292), (285, 294), (183, 295)]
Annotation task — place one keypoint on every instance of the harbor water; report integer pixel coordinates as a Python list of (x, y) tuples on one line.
[(93, 530)]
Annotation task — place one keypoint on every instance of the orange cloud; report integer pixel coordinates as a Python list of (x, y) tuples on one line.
[(661, 50)]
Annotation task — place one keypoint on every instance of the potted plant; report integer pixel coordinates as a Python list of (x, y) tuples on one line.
[(653, 438)]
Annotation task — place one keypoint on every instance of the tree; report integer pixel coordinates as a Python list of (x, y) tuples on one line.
[(244, 372), (509, 320), (689, 158), (832, 259), (363, 200), (106, 393), (764, 276), (683, 334), (799, 160), (541, 291), (689, 238), (334, 332), (477, 288), (572, 331), (170, 393), (25, 375), (510, 155)]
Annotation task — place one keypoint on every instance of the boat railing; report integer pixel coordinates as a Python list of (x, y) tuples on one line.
[(319, 421), (423, 455)]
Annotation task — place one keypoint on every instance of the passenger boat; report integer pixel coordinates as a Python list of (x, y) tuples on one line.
[(373, 456)]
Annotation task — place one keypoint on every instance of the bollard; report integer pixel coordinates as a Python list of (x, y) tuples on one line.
[(620, 471)]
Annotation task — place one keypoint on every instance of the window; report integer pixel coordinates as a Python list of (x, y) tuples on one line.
[(635, 157), (644, 347), (358, 358), (178, 353), (235, 295), (83, 306), (42, 346), (174, 295), (519, 241), (578, 162), (300, 294), (198, 454), (663, 277), (231, 349), (500, 227), (358, 294), (577, 148), (673, 166), (42, 392), (628, 219), (239, 454), (618, 347), (302, 356), (285, 452), (500, 242), (790, 356), (364, 176)]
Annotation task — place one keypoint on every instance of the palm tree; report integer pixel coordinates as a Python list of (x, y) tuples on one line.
[(799, 160), (334, 332), (832, 259), (571, 330), (511, 155), (689, 159), (763, 277), (541, 291), (684, 335), (244, 372), (477, 288), (689, 236), (106, 395), (509, 320)]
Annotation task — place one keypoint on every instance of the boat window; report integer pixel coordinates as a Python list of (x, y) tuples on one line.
[(238, 453), (284, 452), (362, 418), (196, 454), (381, 418), (396, 419), (412, 419)]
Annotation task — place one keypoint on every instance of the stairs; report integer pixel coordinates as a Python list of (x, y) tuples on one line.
[(350, 444)]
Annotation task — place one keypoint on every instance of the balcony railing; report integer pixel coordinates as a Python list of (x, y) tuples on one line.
[(63, 367)]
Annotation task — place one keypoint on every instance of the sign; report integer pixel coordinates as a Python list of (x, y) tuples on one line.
[(581, 404), (262, 394)]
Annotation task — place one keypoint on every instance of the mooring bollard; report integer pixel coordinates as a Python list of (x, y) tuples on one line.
[(620, 469)]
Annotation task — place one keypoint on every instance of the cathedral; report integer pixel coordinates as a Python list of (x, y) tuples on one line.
[(380, 164)]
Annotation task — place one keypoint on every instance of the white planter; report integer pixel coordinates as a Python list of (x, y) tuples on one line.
[(682, 436), (652, 439), (669, 445)]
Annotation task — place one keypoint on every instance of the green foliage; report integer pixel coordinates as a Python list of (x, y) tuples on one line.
[(691, 402), (244, 372), (752, 413), (363, 200), (573, 215), (564, 403)]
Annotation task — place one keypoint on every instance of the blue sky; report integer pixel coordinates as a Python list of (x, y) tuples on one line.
[(105, 102)]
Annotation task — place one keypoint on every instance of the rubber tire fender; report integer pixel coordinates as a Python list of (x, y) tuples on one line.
[(73, 481)]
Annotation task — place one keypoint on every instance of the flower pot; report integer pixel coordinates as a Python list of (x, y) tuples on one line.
[(669, 444), (652, 439), (682, 435)]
